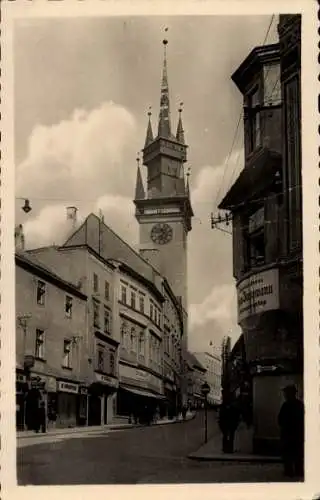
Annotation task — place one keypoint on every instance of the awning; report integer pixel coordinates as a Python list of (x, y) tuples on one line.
[(142, 392)]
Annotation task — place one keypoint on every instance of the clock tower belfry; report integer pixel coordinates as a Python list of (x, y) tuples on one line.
[(163, 208)]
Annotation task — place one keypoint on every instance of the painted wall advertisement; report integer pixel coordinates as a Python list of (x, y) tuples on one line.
[(258, 294)]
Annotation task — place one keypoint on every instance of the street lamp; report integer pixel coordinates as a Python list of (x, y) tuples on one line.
[(205, 389)]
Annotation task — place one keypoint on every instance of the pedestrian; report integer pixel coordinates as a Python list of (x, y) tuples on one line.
[(184, 412), (229, 418), (42, 417), (291, 423)]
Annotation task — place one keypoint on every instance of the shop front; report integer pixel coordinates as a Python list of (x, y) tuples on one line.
[(140, 396), (170, 393), (268, 312), (101, 399), (21, 394), (65, 402)]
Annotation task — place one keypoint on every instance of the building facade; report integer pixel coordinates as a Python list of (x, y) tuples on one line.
[(50, 344), (196, 377), (213, 365), (265, 202)]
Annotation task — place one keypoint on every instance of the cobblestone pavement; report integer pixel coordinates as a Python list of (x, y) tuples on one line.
[(135, 456)]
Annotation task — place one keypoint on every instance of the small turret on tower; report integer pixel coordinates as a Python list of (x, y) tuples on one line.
[(140, 193), (180, 131), (149, 135)]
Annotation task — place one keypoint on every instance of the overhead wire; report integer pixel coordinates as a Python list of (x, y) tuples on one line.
[(237, 130)]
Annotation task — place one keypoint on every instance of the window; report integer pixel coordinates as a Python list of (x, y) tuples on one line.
[(107, 321), (68, 306), (255, 239), (95, 283), (141, 343), (96, 314), (123, 294), (100, 359), (123, 334), (151, 310), (253, 125), (39, 344), (133, 300), (67, 361), (107, 290), (41, 291), (141, 303), (133, 340), (112, 362), (272, 85)]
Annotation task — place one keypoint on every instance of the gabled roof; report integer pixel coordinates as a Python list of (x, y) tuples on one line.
[(30, 263), (193, 362)]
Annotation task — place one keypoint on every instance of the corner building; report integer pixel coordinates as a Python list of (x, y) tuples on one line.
[(265, 202), (50, 343)]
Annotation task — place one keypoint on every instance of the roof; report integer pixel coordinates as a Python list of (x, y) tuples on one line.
[(193, 362), (112, 247), (30, 263), (253, 179), (259, 56)]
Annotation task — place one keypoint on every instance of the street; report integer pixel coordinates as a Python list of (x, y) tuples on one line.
[(156, 454)]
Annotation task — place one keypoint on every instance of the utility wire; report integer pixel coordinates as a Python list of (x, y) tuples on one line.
[(237, 127)]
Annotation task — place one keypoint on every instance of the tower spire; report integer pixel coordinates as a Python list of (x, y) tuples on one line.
[(180, 131), (139, 194), (164, 127), (149, 136)]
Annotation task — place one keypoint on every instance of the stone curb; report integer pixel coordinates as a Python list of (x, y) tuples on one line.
[(234, 458), (95, 430)]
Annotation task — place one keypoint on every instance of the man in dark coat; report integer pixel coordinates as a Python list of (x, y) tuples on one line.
[(229, 418), (291, 423)]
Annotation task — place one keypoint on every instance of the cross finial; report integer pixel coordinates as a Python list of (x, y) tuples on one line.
[(149, 111), (180, 108), (138, 159)]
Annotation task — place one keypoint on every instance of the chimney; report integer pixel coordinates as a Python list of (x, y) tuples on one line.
[(19, 238), (72, 217)]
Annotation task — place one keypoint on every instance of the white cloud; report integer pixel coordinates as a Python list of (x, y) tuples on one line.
[(214, 317), (212, 182), (79, 158), (49, 226)]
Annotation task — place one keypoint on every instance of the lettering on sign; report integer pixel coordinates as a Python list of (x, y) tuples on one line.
[(258, 294), (100, 377), (68, 387)]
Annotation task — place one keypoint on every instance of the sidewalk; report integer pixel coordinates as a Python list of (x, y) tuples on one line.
[(243, 449), (24, 436)]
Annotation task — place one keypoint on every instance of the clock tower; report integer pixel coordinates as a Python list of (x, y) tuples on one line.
[(163, 208)]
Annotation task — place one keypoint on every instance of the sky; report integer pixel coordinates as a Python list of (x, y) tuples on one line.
[(82, 90)]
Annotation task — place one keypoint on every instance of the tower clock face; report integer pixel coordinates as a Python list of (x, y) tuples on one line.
[(161, 234)]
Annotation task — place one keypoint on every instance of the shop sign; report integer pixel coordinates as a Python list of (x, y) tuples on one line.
[(107, 380), (68, 387), (258, 294), (145, 379), (38, 383), (51, 384), (83, 390)]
